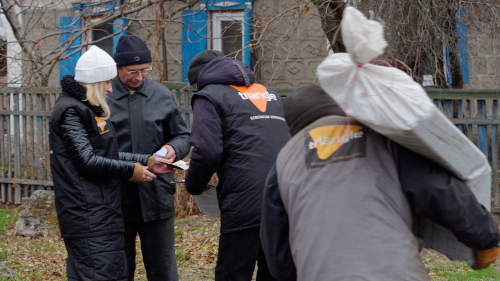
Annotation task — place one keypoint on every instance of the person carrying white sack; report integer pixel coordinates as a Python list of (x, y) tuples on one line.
[(339, 205), (390, 102)]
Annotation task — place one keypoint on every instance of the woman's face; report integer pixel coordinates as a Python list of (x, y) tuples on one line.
[(108, 88)]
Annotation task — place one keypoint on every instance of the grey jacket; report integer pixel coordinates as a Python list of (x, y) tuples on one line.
[(345, 212), (144, 122)]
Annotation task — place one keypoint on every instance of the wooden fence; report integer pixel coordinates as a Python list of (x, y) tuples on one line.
[(25, 115)]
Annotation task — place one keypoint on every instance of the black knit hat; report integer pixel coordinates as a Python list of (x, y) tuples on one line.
[(198, 63), (131, 50), (308, 104)]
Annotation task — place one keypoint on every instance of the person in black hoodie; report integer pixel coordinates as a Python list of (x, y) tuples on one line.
[(238, 130), (88, 171)]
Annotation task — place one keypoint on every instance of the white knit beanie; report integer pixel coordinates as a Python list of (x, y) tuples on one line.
[(95, 66)]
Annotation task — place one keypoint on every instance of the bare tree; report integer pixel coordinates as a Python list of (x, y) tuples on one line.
[(39, 63), (425, 36)]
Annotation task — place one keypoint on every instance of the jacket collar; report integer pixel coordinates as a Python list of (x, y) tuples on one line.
[(120, 91), (77, 91)]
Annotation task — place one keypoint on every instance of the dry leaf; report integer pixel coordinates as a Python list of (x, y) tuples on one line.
[(308, 10)]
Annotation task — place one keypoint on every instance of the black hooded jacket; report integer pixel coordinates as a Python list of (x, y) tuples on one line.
[(238, 131), (86, 166)]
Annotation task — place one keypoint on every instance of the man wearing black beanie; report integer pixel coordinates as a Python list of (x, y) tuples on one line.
[(342, 198), (146, 118), (238, 130)]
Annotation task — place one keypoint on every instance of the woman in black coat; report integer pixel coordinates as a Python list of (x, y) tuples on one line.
[(88, 171)]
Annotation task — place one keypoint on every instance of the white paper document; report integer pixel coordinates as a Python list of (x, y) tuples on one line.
[(161, 153)]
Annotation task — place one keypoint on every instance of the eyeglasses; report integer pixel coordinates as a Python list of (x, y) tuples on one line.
[(143, 71)]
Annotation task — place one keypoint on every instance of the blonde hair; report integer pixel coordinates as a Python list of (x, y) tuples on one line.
[(95, 96)]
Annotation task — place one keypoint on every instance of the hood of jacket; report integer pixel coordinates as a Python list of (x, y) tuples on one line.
[(224, 70), (79, 92)]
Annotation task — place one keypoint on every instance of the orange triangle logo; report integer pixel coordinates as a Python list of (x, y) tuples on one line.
[(328, 139), (256, 93), (100, 122)]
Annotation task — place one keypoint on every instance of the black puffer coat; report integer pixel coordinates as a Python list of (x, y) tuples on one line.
[(86, 166)]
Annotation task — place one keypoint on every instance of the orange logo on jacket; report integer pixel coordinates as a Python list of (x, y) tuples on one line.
[(327, 139), (257, 94), (101, 123)]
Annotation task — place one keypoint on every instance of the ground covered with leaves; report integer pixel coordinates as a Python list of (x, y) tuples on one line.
[(196, 245)]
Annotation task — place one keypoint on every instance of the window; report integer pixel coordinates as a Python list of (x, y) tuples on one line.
[(101, 32), (220, 25), (228, 31), (88, 12)]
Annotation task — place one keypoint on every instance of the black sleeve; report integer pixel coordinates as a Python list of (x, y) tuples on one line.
[(175, 132), (76, 141), (134, 157), (274, 231), (436, 194), (206, 139)]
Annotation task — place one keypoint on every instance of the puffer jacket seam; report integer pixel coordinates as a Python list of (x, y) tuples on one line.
[(91, 258), (92, 234), (86, 203)]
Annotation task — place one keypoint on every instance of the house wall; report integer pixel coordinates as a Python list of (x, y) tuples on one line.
[(42, 23), (173, 38), (290, 48), (46, 22), (293, 47), (484, 57), (14, 65)]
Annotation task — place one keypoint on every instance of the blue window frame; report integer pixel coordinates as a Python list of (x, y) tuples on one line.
[(221, 25), (85, 11)]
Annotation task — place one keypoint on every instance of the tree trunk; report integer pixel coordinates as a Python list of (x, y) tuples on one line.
[(330, 12)]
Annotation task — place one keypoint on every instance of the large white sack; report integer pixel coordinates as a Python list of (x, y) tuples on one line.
[(390, 102)]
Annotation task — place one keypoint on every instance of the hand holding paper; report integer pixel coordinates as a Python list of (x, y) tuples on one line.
[(162, 158), (161, 167), (170, 152)]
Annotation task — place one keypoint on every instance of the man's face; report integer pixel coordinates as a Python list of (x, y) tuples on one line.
[(133, 75)]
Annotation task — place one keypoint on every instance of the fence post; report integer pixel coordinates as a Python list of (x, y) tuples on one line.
[(469, 115), (39, 125), (2, 149), (9, 150), (17, 151), (482, 129), (494, 155)]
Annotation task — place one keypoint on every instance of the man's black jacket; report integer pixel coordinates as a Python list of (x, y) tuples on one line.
[(145, 121)]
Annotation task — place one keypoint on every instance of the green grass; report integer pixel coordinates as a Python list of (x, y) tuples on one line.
[(180, 256), (178, 233), (8, 219), (451, 271)]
